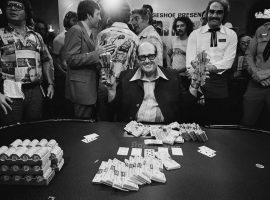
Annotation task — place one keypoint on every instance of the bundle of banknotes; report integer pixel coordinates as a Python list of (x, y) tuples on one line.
[(105, 60), (200, 68), (131, 173)]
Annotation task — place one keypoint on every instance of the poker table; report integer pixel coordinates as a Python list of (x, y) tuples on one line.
[(231, 174)]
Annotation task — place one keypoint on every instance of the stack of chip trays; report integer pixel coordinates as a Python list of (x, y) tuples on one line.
[(168, 134), (130, 174), (29, 162), (56, 158)]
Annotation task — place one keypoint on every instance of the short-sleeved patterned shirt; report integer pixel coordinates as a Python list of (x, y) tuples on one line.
[(21, 59)]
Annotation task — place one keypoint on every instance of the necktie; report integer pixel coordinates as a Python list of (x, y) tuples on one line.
[(266, 51), (213, 32)]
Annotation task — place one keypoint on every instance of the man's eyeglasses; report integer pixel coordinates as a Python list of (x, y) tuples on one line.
[(15, 6), (149, 56), (218, 12)]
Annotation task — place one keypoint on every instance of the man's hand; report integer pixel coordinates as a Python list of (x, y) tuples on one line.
[(106, 48), (265, 83), (109, 84), (259, 75), (212, 68), (50, 92), (4, 103)]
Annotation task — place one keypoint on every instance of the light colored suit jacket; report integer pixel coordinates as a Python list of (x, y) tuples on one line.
[(82, 60)]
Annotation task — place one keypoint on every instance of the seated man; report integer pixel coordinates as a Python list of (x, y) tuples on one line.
[(150, 93)]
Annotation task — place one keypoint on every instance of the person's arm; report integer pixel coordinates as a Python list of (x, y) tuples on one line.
[(251, 55), (228, 57), (48, 70), (191, 51), (169, 54), (73, 47), (61, 65), (47, 67), (4, 103)]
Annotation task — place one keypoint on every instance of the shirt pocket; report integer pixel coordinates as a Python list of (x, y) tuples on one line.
[(222, 43)]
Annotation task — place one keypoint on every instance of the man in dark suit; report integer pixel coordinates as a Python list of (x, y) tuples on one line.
[(82, 59), (151, 93)]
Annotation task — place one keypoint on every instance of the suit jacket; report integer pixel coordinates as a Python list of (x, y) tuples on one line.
[(82, 60), (170, 96)]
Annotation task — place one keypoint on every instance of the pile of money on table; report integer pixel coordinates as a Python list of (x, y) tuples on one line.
[(30, 162), (168, 134), (130, 174)]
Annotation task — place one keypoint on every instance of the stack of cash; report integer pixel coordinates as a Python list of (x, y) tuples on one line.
[(193, 132), (105, 60), (130, 174), (168, 134), (200, 68)]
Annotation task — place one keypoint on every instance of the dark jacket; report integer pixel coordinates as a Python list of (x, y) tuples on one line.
[(170, 96), (82, 60)]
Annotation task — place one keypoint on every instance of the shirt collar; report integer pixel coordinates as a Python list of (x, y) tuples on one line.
[(204, 29), (139, 76), (146, 30), (89, 32), (120, 25), (9, 28)]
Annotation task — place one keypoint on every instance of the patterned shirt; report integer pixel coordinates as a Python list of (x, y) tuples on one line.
[(150, 34), (124, 55), (149, 110), (21, 60), (177, 52)]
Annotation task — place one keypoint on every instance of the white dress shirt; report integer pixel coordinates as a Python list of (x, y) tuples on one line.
[(221, 56), (149, 110)]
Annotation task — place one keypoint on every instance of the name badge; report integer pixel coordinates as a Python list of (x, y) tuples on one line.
[(222, 40), (264, 34)]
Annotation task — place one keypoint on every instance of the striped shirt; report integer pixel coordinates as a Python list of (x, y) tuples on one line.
[(149, 110)]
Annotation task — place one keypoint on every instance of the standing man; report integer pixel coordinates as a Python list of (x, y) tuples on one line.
[(176, 56), (24, 61), (62, 107), (82, 60), (70, 20), (141, 20), (219, 43), (125, 41), (257, 96), (123, 57)]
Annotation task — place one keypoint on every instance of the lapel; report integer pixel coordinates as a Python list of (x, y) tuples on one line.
[(139, 83), (88, 40)]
